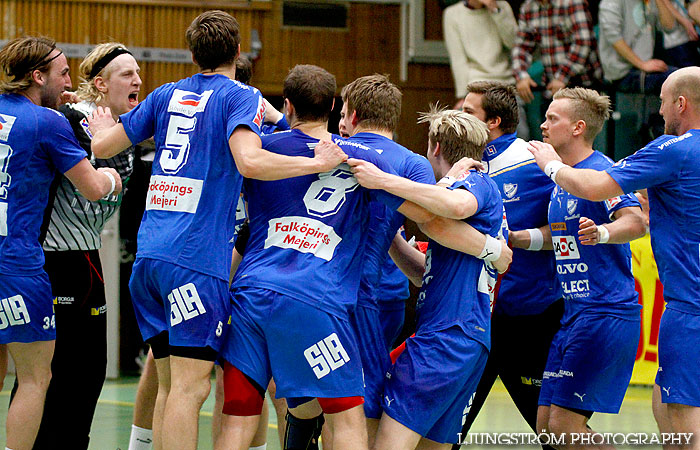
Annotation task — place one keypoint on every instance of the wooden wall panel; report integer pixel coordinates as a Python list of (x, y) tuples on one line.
[(370, 43)]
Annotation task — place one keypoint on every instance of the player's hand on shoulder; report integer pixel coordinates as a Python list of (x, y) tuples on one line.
[(544, 153), (460, 169), (100, 119), (503, 262), (367, 174), (329, 155), (588, 231), (117, 179)]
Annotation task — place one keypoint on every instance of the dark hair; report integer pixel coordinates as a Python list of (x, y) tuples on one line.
[(244, 69), (213, 38), (22, 56), (498, 100), (311, 90)]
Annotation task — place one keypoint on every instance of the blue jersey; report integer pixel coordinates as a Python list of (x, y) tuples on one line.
[(307, 234), (594, 278), (670, 167), (383, 221), (393, 284), (458, 288), (35, 142), (530, 285), (194, 189)]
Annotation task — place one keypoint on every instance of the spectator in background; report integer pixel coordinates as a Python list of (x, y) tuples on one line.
[(681, 43), (627, 39), (562, 31), (479, 35)]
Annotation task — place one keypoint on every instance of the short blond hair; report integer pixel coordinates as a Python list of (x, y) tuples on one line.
[(86, 89), (458, 133), (587, 105)]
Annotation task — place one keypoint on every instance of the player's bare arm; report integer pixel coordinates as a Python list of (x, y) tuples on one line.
[(254, 162), (454, 204), (409, 259), (108, 137), (584, 183), (524, 238), (464, 238), (629, 224), (94, 184)]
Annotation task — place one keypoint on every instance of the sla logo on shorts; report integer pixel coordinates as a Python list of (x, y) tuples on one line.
[(326, 355), (13, 312), (184, 304), (565, 247)]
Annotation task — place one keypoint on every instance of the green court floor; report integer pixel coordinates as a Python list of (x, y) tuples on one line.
[(111, 427)]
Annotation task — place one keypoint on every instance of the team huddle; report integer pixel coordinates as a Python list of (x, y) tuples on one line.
[(525, 240)]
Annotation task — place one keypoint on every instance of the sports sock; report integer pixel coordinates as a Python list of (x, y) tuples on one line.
[(141, 438), (259, 447), (302, 434)]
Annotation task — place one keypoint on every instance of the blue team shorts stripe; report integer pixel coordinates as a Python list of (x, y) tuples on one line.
[(679, 358), (432, 384), (375, 357), (590, 363), (26, 309), (309, 352), (193, 307)]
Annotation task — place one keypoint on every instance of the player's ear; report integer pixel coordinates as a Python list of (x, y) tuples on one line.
[(333, 104), (493, 123), (436, 150), (579, 128), (38, 77), (353, 118), (100, 84)]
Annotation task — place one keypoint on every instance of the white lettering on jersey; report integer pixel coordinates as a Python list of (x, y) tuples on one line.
[(565, 247), (174, 194), (188, 103), (326, 195), (564, 269), (184, 304), (13, 311), (302, 234), (3, 219), (326, 356)]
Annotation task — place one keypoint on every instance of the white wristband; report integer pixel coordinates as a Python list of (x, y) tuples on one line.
[(492, 249), (113, 181), (603, 234), (536, 239), (552, 168), (447, 180)]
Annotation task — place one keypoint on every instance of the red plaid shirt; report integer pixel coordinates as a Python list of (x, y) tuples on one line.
[(563, 32)]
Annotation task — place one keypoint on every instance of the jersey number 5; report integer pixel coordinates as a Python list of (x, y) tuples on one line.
[(177, 143)]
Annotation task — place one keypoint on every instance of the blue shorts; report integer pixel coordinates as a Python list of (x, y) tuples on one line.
[(590, 363), (432, 384), (679, 358), (309, 352), (192, 307), (375, 357), (26, 309), (391, 317)]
